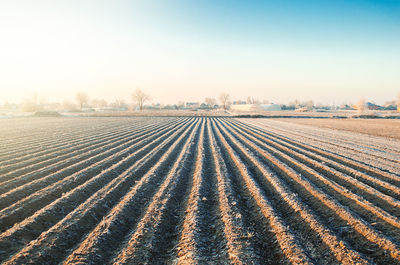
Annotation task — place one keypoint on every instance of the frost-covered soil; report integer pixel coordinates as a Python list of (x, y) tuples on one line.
[(190, 190), (389, 128), (369, 149)]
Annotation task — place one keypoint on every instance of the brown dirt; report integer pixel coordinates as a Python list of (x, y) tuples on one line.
[(196, 190)]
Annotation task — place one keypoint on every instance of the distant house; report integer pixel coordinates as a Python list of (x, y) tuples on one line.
[(256, 107), (372, 106)]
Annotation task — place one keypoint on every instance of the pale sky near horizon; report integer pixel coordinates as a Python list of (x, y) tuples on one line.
[(326, 51)]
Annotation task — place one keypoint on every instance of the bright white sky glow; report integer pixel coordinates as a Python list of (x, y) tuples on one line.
[(180, 51)]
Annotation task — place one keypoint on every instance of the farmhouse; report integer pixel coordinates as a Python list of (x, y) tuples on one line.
[(373, 106), (370, 106)]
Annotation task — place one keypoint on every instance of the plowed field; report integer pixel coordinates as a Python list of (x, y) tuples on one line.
[(195, 191)]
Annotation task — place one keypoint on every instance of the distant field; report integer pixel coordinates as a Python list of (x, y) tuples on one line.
[(195, 190), (380, 127)]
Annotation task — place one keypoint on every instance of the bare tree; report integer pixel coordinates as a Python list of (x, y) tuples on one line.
[(211, 102), (361, 106), (33, 103), (398, 103), (309, 104), (119, 103), (295, 104), (68, 106), (224, 98), (99, 103), (181, 105), (140, 98), (82, 99), (251, 100)]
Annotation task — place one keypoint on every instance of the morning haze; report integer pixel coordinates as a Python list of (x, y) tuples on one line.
[(326, 51)]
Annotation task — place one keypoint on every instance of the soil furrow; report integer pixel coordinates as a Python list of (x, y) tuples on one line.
[(44, 144), (200, 238), (354, 202), (139, 203), (353, 154), (28, 205), (43, 219), (351, 179), (364, 235), (289, 245), (195, 190), (48, 159), (55, 244), (303, 163), (70, 163), (350, 162), (65, 146), (335, 139)]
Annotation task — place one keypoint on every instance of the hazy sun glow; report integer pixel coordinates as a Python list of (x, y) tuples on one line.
[(328, 51)]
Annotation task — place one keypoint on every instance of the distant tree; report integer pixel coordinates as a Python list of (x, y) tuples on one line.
[(119, 103), (390, 105), (99, 103), (224, 98), (345, 106), (29, 106), (35, 98), (204, 106), (361, 106), (169, 107), (33, 103), (156, 106), (309, 104), (68, 106), (82, 99), (295, 104), (181, 105), (252, 100), (287, 107), (211, 102), (398, 103), (139, 97)]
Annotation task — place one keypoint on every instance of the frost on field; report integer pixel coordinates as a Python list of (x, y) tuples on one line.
[(196, 190)]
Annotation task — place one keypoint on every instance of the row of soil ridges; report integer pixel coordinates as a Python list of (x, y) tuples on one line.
[(195, 190)]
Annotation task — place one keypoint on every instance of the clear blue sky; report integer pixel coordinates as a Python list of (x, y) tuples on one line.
[(328, 51)]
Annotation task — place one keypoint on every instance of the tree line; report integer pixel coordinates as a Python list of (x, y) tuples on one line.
[(140, 98)]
